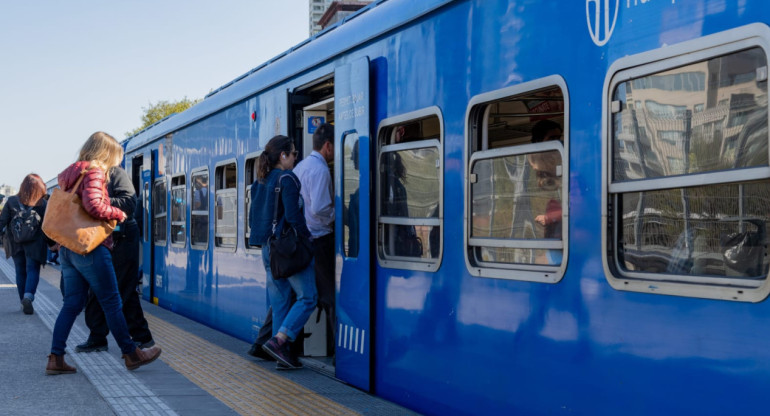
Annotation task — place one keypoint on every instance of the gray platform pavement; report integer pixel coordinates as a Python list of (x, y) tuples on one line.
[(102, 386)]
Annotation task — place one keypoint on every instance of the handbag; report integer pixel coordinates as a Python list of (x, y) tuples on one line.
[(68, 223), (290, 252)]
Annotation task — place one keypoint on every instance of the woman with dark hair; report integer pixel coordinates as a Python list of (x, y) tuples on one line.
[(27, 243), (88, 177), (273, 170)]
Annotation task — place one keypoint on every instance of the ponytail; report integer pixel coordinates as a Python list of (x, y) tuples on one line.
[(271, 155)]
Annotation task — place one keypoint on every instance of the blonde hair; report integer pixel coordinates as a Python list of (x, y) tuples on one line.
[(102, 150)]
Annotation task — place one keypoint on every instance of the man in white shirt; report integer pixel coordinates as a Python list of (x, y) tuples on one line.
[(318, 194)]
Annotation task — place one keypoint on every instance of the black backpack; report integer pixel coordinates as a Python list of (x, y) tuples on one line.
[(25, 224)]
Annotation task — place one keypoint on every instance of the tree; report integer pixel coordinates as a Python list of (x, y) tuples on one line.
[(156, 112)]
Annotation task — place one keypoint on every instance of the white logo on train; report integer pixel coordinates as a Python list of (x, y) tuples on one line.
[(601, 19)]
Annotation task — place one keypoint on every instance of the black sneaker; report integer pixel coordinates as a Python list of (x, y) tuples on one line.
[(26, 306), (283, 367), (278, 351), (257, 351), (91, 346)]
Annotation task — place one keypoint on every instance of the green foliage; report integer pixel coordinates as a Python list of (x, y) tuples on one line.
[(156, 112)]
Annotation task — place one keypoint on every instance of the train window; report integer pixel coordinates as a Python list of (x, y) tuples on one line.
[(199, 211), (517, 192), (159, 211), (226, 194), (689, 175), (178, 211), (410, 190), (251, 177), (145, 212), (350, 183)]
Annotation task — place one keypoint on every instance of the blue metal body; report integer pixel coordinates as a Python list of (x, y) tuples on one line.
[(447, 342)]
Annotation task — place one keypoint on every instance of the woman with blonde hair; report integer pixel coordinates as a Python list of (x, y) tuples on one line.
[(94, 270), (24, 240)]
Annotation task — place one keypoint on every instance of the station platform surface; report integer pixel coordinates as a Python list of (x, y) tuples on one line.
[(200, 372)]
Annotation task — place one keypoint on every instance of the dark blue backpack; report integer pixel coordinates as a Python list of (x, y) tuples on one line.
[(25, 224)]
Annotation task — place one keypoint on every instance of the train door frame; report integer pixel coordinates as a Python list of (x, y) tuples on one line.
[(311, 105), (354, 297)]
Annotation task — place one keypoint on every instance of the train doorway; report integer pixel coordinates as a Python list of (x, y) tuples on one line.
[(312, 106)]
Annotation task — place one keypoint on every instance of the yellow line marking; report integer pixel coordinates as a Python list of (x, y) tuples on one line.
[(239, 383), (236, 381)]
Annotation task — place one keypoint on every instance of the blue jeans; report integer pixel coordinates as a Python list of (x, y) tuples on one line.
[(27, 275), (93, 270), (288, 318)]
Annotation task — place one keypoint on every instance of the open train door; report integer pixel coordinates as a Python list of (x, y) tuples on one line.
[(352, 178)]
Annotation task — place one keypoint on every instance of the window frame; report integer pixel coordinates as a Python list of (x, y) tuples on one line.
[(401, 262), (523, 272), (650, 63), (155, 216), (193, 173), (186, 204), (247, 200), (225, 192)]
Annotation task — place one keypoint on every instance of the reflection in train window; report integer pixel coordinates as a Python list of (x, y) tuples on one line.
[(350, 183), (226, 194), (159, 211), (199, 211), (409, 191), (517, 184), (689, 188), (178, 211), (251, 177)]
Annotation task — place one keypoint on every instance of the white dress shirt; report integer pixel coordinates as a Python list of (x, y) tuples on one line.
[(316, 190)]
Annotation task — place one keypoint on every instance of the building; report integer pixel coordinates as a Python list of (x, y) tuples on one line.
[(317, 10), (324, 13)]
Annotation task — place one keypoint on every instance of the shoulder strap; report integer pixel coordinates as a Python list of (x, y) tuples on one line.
[(278, 197), (77, 182), (275, 208)]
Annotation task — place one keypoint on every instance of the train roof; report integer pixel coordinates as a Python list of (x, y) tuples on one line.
[(376, 19)]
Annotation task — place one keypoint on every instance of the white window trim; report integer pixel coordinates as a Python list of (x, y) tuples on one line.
[(207, 212), (225, 192), (630, 67), (523, 272), (184, 221), (155, 216), (411, 263), (247, 202)]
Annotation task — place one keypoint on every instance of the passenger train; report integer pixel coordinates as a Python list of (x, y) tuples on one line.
[(619, 267)]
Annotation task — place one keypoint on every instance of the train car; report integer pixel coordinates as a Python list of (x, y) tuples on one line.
[(542, 207)]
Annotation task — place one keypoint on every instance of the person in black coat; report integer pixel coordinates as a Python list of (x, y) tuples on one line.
[(30, 255), (125, 259)]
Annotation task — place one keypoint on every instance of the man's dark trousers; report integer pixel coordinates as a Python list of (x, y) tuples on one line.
[(125, 259)]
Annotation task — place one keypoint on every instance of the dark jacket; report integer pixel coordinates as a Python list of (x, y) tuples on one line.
[(263, 204), (123, 196), (36, 249)]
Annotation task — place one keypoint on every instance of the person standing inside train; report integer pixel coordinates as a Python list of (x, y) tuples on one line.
[(318, 195), (100, 153), (274, 169), (125, 259), (26, 244)]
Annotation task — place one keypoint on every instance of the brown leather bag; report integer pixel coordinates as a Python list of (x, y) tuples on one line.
[(68, 223)]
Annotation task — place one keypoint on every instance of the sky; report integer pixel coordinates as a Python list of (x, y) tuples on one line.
[(70, 68)]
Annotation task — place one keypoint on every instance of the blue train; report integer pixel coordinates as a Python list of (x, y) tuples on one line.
[(542, 207)]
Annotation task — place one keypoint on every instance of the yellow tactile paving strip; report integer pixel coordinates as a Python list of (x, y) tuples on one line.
[(236, 381), (239, 383)]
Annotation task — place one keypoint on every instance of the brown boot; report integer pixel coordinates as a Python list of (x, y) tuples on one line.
[(57, 365), (141, 357)]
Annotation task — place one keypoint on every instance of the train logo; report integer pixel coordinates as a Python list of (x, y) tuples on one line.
[(598, 19)]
